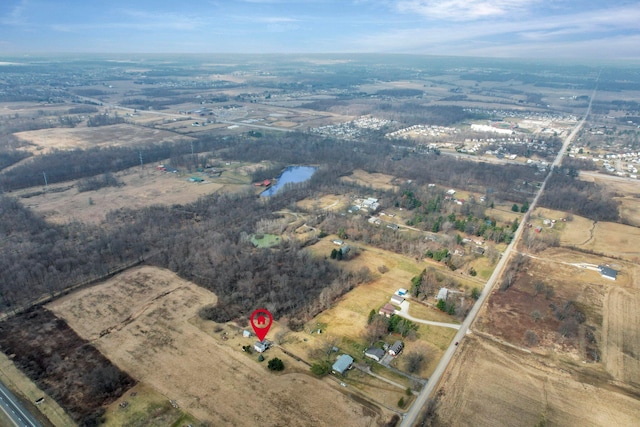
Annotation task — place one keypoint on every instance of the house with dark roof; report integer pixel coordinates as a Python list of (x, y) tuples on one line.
[(396, 348), (343, 364), (608, 272), (387, 310), (374, 353)]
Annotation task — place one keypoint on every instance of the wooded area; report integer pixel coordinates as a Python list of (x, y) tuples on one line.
[(587, 199), (66, 367)]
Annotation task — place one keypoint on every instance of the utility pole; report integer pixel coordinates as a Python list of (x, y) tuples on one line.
[(193, 157), (140, 155), (46, 184)]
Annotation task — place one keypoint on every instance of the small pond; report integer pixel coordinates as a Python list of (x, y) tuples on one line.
[(292, 174)]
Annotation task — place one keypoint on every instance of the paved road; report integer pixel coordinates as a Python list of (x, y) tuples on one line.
[(14, 409), (410, 417), (404, 312)]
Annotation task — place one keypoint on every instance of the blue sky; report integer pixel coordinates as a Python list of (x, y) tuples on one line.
[(504, 28)]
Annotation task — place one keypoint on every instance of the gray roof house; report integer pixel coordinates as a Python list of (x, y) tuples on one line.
[(396, 348), (608, 272), (342, 364), (442, 294), (397, 300), (374, 353)]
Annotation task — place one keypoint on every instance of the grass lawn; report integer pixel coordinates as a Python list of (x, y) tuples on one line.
[(427, 313), (267, 240), (146, 407)]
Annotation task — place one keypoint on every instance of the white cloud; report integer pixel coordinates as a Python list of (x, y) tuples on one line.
[(464, 10), (613, 33)]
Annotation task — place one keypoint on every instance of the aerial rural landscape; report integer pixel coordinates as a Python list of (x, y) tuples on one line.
[(440, 241), (389, 213)]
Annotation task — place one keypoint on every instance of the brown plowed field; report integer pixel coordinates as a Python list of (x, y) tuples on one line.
[(139, 190), (621, 335), (493, 385), (46, 140)]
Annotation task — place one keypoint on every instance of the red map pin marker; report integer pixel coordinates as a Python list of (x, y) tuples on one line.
[(261, 321)]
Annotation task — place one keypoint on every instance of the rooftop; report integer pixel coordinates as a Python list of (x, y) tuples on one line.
[(343, 363)]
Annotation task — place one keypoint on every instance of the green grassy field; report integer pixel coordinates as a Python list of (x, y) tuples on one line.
[(266, 240)]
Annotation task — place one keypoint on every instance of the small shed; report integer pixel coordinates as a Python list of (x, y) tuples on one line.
[(396, 348), (397, 299), (374, 353), (343, 363), (246, 333), (442, 294), (387, 310), (402, 292)]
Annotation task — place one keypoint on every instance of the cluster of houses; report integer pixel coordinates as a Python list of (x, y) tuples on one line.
[(369, 204), (398, 298), (352, 129), (421, 130), (377, 353), (344, 362)]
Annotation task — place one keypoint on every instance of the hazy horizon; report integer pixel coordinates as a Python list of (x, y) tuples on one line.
[(565, 29)]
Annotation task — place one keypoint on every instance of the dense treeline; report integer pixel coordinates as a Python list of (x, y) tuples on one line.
[(87, 163), (504, 182), (82, 109), (154, 103), (96, 183), (7, 158), (206, 242), (64, 366), (400, 92), (38, 258), (510, 182), (573, 165), (579, 197), (104, 120)]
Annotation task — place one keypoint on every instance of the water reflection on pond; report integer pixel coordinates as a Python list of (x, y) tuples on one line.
[(292, 174)]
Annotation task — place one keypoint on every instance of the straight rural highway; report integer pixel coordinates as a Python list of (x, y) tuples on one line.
[(410, 417), (11, 406)]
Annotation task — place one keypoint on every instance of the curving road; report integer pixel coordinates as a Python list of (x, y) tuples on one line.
[(404, 312), (11, 406), (410, 417)]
